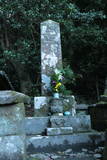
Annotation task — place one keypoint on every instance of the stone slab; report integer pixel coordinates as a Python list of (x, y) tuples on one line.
[(11, 97), (12, 148), (59, 131), (37, 144), (79, 123), (11, 119), (36, 125)]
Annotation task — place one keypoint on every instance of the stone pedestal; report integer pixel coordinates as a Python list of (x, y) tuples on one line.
[(12, 136), (43, 106)]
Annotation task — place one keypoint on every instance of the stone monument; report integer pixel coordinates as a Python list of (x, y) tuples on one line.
[(51, 59), (51, 56)]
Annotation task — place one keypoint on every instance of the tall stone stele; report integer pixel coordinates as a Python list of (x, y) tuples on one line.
[(51, 56), (12, 134), (51, 59)]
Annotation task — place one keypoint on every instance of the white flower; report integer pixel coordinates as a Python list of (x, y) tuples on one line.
[(60, 77), (57, 71)]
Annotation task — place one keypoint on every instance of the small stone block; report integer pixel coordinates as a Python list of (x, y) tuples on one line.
[(79, 123), (59, 131), (39, 125)]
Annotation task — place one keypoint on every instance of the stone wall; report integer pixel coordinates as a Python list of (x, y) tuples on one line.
[(12, 134)]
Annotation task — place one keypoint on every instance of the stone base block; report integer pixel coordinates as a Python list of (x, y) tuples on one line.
[(59, 131), (36, 125), (12, 148), (78, 123), (76, 142)]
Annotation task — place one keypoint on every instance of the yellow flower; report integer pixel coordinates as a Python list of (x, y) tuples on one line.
[(58, 85)]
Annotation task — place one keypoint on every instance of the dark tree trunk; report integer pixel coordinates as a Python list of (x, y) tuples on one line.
[(24, 77)]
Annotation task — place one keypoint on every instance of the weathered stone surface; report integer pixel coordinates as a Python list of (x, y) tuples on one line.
[(59, 131), (11, 119), (36, 125), (41, 106), (51, 56), (12, 148), (79, 123), (11, 97), (61, 142)]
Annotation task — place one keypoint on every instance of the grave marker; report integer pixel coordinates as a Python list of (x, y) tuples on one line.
[(51, 55)]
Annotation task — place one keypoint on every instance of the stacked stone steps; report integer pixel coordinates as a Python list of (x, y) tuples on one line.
[(63, 125), (41, 124), (58, 133), (78, 123)]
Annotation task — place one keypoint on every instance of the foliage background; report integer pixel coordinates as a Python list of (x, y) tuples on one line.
[(84, 42)]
